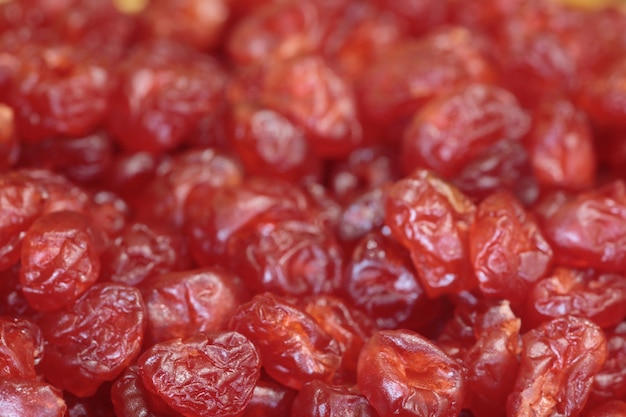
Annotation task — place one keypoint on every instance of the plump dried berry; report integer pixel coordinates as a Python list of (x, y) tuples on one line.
[(507, 250), (59, 260), (320, 399), (293, 347), (588, 230), (30, 398), (205, 375), (431, 218), (401, 373), (181, 304), (559, 361), (599, 297), (21, 348), (94, 339)]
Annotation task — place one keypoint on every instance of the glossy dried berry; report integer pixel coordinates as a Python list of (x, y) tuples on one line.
[(610, 382), (507, 250), (21, 348), (30, 398), (320, 399), (401, 373), (205, 375), (181, 304), (94, 339), (431, 218), (270, 399), (60, 260), (599, 297), (559, 361), (294, 349)]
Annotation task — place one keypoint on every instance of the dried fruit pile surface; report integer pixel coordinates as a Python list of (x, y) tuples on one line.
[(312, 208)]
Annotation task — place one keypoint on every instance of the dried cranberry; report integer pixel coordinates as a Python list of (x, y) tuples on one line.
[(610, 382), (30, 398), (21, 348), (317, 399), (294, 349), (94, 339), (270, 398), (131, 398), (204, 375), (181, 304), (559, 360), (507, 249), (60, 260), (431, 218), (402, 373)]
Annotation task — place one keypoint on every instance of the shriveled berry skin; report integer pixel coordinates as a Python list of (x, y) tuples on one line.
[(94, 339), (155, 81), (320, 399), (60, 260), (610, 382), (181, 304), (21, 202), (205, 375), (507, 249), (599, 297), (30, 398), (143, 251), (286, 257), (21, 348), (560, 146), (270, 399), (456, 128), (559, 360), (310, 93), (294, 349), (401, 373), (589, 230), (350, 327), (130, 397), (431, 218), (380, 280)]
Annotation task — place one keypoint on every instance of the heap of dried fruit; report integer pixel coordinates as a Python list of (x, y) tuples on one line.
[(307, 208)]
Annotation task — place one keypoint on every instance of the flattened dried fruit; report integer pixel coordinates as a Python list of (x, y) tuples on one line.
[(401, 373), (205, 375)]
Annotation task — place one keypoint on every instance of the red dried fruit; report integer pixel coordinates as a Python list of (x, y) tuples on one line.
[(401, 373), (143, 251), (559, 361), (507, 250), (458, 127), (21, 202), (181, 304), (610, 382), (589, 230), (602, 97), (60, 260), (21, 348), (197, 23), (130, 397), (431, 218), (30, 398), (59, 90), (319, 399), (598, 297), (560, 146), (94, 339), (381, 280), (286, 257), (350, 327), (164, 91), (270, 399), (294, 349), (492, 362), (311, 94), (205, 375)]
